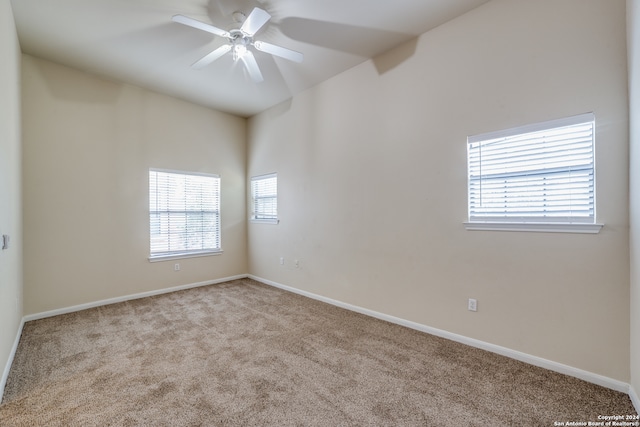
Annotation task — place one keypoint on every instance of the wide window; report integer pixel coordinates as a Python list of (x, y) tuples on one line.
[(539, 177), (264, 198), (184, 214)]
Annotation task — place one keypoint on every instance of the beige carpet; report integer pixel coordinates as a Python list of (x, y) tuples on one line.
[(245, 354)]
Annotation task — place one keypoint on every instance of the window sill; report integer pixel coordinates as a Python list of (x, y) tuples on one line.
[(541, 227), (265, 221), (158, 258)]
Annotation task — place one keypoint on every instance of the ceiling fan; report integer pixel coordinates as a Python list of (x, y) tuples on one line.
[(239, 40)]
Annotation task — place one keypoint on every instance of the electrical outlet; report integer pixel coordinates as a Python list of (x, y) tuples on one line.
[(297, 263), (281, 260), (473, 305), (176, 267)]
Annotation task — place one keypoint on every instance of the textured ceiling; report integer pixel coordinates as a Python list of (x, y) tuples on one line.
[(135, 41)]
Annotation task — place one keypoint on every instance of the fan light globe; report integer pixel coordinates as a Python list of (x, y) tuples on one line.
[(239, 50)]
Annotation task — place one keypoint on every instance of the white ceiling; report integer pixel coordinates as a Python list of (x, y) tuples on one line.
[(135, 41)]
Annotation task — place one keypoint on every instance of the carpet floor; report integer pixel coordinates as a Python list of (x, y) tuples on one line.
[(242, 353)]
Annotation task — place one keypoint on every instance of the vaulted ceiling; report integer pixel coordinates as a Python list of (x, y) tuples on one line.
[(136, 41)]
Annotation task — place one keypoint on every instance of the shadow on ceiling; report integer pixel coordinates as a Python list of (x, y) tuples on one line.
[(390, 59), (341, 37)]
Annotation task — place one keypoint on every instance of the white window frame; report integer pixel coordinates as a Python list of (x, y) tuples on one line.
[(213, 248), (509, 221), (256, 214)]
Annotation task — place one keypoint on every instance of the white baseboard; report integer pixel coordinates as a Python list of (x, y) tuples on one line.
[(80, 307), (634, 398), (12, 354), (513, 354)]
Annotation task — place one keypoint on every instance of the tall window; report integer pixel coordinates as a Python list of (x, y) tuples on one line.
[(264, 198), (540, 173), (184, 214)]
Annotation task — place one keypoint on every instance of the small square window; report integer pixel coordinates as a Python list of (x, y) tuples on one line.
[(264, 198)]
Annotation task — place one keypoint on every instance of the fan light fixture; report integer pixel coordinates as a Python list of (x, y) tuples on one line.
[(239, 49), (239, 41)]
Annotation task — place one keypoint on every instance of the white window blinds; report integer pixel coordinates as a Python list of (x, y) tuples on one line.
[(264, 197), (537, 173), (184, 213)]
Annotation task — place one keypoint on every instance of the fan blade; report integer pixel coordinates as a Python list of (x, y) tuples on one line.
[(185, 20), (252, 67), (208, 59), (256, 19), (280, 51)]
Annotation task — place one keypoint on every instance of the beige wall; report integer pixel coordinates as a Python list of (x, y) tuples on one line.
[(10, 183), (372, 183), (633, 20), (88, 145)]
